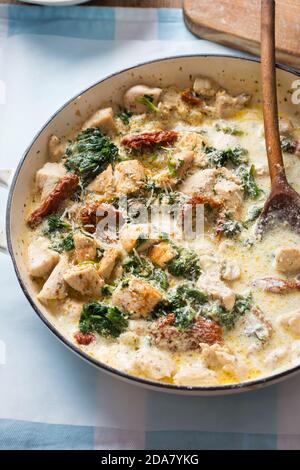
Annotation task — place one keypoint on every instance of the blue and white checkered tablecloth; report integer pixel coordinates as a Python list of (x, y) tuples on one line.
[(49, 398)]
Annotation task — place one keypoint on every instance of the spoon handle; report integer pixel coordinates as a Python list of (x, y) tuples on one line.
[(269, 92)]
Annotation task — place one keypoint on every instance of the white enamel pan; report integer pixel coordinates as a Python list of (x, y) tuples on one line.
[(234, 73)]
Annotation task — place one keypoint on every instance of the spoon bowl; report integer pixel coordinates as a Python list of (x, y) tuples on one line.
[(283, 203)]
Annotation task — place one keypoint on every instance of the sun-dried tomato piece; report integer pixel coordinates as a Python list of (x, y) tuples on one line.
[(63, 189), (207, 331), (91, 214), (201, 330), (276, 285), (190, 97), (88, 217), (266, 323), (84, 338), (149, 139)]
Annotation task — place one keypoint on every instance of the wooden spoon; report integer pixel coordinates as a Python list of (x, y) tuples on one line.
[(283, 203)]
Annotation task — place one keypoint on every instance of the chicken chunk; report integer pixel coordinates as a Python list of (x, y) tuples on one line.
[(261, 170), (285, 127), (291, 322), (55, 287), (72, 309), (134, 94), (138, 298), (162, 253), (85, 247), (200, 182), (129, 338), (48, 176), (231, 270), (108, 262), (56, 148), (226, 106), (276, 356), (84, 279), (104, 184), (191, 141), (211, 283), (117, 272), (205, 87), (172, 104), (103, 118), (154, 363), (138, 236), (213, 286), (139, 327), (41, 260), (181, 162), (220, 357), (217, 186), (216, 356), (129, 176), (230, 192), (195, 374), (287, 260)]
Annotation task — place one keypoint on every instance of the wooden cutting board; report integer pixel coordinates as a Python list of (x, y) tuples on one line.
[(236, 23)]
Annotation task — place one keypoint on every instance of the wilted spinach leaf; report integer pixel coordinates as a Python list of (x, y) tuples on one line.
[(103, 319)]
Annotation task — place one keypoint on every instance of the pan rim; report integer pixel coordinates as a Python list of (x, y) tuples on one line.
[(151, 384)]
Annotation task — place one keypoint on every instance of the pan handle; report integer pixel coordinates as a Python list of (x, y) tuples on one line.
[(6, 176)]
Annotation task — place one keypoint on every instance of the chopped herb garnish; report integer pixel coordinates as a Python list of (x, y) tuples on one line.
[(229, 130), (170, 197), (61, 244), (173, 197), (124, 115), (147, 100), (150, 185), (56, 230), (107, 290), (141, 239), (172, 167)]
